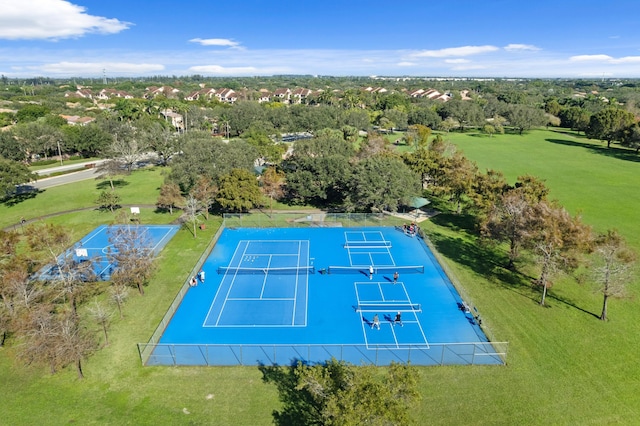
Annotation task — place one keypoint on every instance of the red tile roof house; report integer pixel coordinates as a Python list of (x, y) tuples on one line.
[(226, 95), (113, 93), (300, 95), (283, 94), (202, 93), (166, 91)]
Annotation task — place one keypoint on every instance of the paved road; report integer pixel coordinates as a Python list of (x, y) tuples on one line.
[(49, 182), (70, 167)]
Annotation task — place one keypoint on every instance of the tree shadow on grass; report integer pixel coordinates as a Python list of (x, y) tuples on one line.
[(23, 193), (571, 304), (614, 151), (489, 262), (105, 184), (298, 406)]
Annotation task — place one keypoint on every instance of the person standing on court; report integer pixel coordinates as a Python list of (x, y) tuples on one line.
[(376, 322), (395, 277), (398, 319), (201, 276), (370, 272)]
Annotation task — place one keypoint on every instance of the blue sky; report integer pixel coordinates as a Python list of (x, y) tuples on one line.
[(456, 38)]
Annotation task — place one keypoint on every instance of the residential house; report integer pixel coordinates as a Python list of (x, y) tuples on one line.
[(176, 119), (74, 120), (166, 91), (105, 94), (300, 94), (284, 95)]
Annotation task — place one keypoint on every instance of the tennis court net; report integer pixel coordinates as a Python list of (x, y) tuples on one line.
[(389, 307), (289, 270), (367, 244), (417, 269)]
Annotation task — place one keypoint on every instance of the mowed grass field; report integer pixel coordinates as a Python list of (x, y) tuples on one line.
[(564, 366)]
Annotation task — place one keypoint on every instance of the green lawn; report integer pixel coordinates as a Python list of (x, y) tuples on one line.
[(564, 366)]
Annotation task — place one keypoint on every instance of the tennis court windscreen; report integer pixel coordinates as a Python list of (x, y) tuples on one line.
[(417, 269), (291, 270)]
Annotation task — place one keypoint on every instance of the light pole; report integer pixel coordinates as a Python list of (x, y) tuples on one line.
[(59, 152)]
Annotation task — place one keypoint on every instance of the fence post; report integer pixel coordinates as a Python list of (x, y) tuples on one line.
[(473, 355)]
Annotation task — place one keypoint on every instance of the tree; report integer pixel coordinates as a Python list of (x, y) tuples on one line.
[(10, 147), (119, 294), (466, 113), (205, 192), (31, 112), (631, 137), (460, 174), (523, 117), (49, 244), (609, 124), (373, 145), (170, 197), (489, 130), (419, 134), (192, 209), (575, 118), (613, 268), (102, 317), (381, 183), (13, 174), (267, 149), (162, 141), (74, 343), (201, 155), (556, 240), (337, 393), (108, 199), (90, 140), (109, 169), (132, 255), (239, 191), (318, 170), (272, 181), (128, 146)]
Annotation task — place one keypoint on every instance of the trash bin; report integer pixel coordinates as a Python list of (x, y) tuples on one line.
[(203, 226)]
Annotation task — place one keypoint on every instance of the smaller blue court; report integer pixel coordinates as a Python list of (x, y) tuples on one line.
[(98, 247), (282, 295)]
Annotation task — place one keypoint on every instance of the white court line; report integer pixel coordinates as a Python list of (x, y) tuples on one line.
[(245, 299), (166, 234), (230, 285), (295, 291), (264, 280), (97, 232)]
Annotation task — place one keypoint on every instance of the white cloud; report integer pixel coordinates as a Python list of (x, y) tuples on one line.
[(456, 61), (456, 51), (52, 19), (407, 64), (514, 47), (235, 71), (96, 68), (469, 67), (591, 58), (215, 42), (606, 59), (626, 60)]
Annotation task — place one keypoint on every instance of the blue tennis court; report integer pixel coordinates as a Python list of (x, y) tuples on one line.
[(286, 294), (98, 245)]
